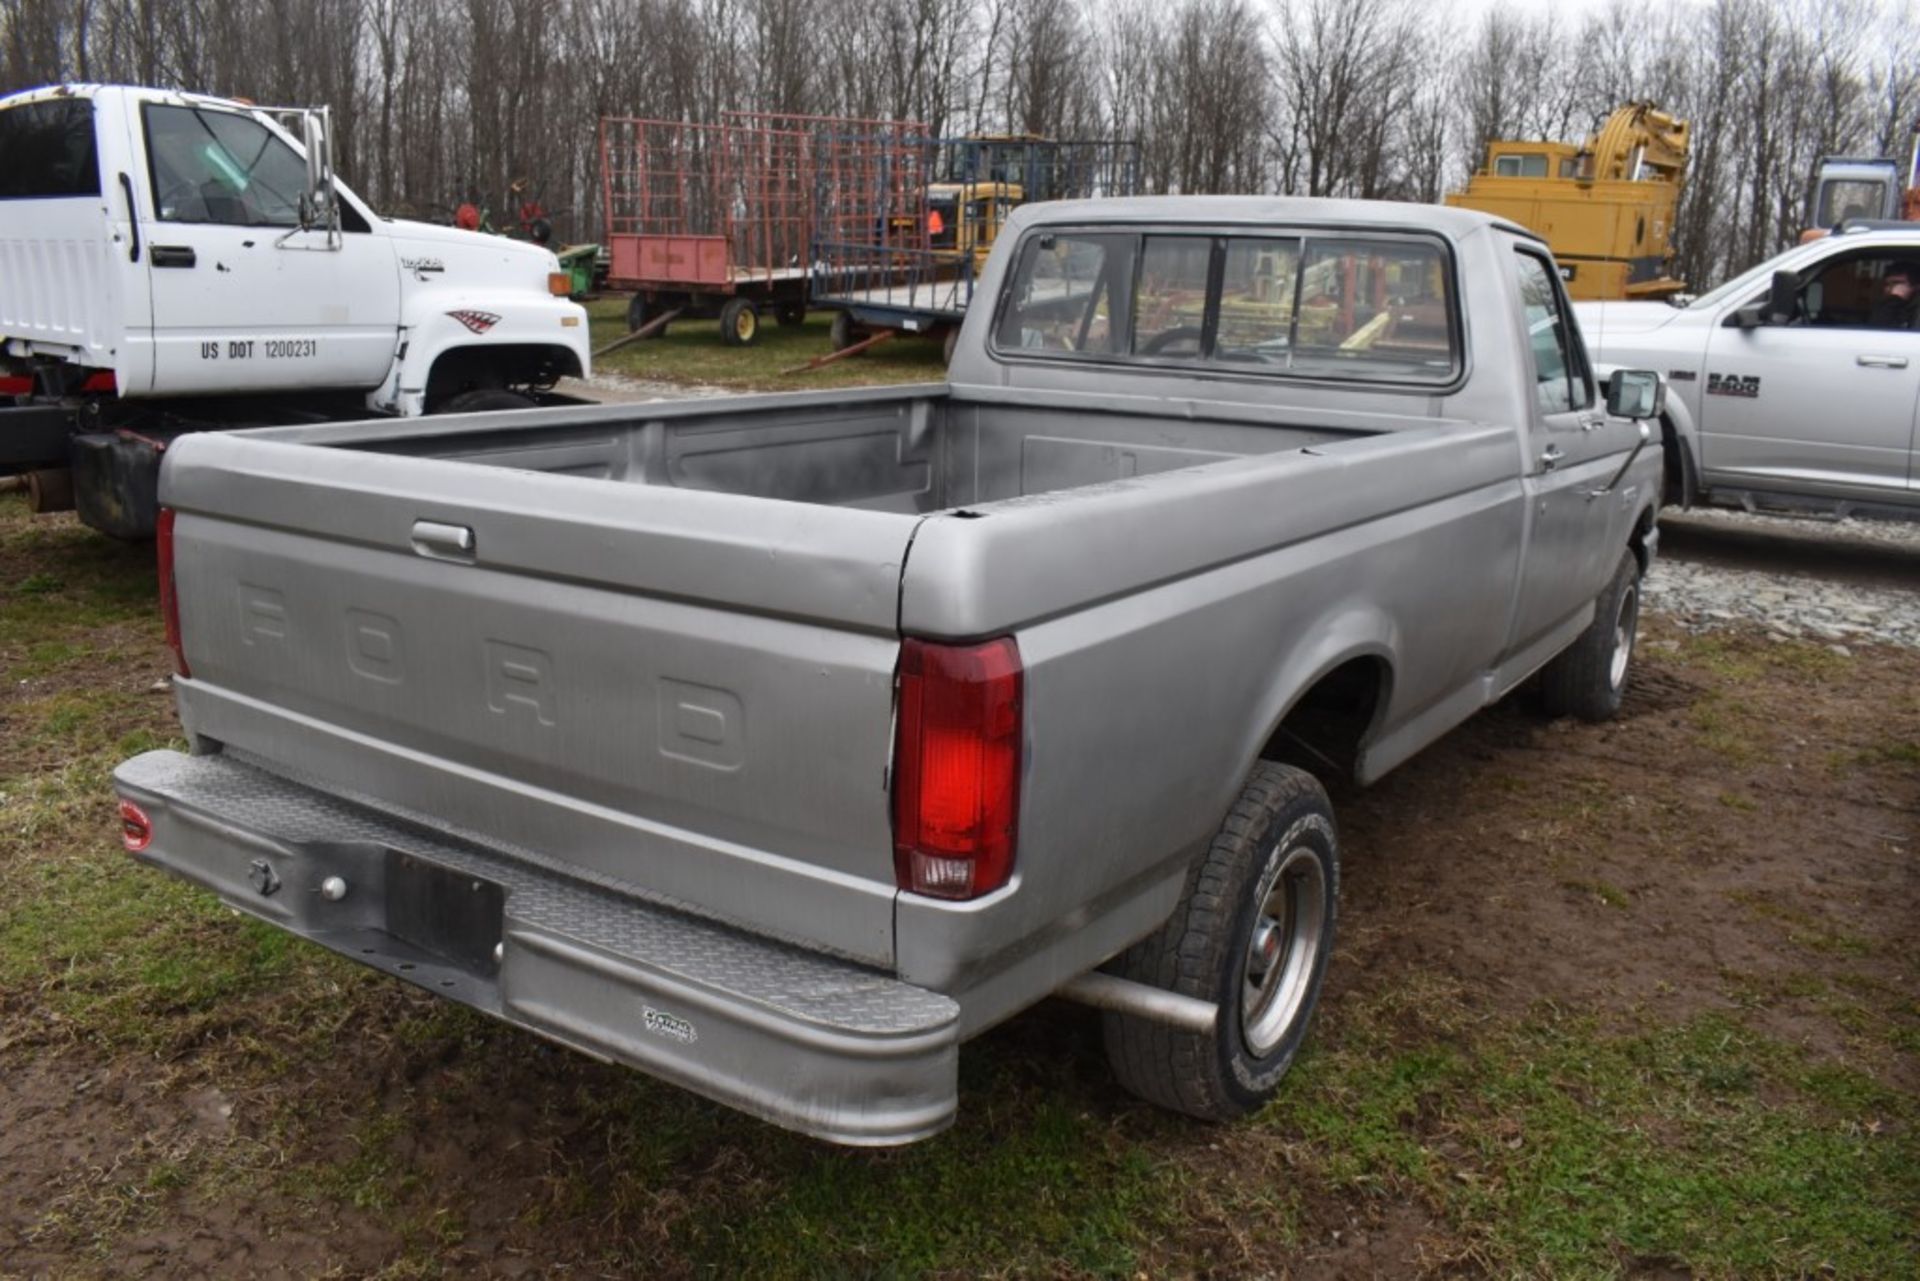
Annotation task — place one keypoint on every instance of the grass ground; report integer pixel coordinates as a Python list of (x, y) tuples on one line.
[(691, 352), (1627, 1000)]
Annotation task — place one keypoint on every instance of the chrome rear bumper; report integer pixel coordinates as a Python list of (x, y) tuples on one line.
[(808, 1041)]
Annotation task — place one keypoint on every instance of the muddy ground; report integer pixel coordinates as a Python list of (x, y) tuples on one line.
[(1736, 852)]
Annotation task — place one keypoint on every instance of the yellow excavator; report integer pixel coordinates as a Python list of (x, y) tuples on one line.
[(1605, 206)]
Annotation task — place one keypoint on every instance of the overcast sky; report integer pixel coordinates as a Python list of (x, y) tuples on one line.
[(1570, 13)]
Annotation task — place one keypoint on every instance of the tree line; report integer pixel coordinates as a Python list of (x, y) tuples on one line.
[(440, 101)]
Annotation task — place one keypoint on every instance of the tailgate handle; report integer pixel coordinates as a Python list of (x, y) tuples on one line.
[(436, 538)]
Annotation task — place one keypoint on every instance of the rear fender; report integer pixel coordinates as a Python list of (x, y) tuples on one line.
[(1358, 633)]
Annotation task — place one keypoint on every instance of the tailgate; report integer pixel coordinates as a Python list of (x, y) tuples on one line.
[(683, 695)]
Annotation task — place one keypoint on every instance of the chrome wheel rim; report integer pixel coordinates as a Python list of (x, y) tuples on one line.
[(1288, 925), (1624, 626)]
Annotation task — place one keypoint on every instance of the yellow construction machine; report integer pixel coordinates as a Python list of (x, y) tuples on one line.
[(965, 218), (1605, 206)]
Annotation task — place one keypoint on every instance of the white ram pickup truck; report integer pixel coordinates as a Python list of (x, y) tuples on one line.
[(173, 262), (1795, 387)]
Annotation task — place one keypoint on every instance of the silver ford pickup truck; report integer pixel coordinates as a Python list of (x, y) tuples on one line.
[(777, 745)]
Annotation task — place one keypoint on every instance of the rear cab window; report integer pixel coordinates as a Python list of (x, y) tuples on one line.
[(1369, 307), (47, 150)]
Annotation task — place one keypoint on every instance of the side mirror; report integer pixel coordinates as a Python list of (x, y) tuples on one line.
[(318, 207), (1782, 297), (1635, 393), (1751, 316)]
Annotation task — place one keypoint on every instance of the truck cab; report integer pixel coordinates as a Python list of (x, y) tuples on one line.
[(177, 248)]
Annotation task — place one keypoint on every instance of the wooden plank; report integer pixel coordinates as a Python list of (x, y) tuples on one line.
[(634, 335), (819, 362)]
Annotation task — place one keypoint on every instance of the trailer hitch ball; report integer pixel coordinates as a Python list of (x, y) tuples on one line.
[(264, 878), (333, 889)]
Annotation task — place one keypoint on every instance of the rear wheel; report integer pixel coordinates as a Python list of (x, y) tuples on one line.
[(1252, 933), (638, 313), (1588, 678), (842, 333), (739, 323)]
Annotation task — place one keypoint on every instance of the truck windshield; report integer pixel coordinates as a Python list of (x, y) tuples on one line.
[(1365, 307), (221, 167)]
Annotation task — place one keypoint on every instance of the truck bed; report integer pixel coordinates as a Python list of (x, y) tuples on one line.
[(910, 450), (683, 691)]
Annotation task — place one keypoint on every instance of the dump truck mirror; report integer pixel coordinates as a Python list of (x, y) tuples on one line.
[(1635, 393)]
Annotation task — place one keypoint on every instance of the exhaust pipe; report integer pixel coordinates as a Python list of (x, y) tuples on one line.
[(1156, 1004)]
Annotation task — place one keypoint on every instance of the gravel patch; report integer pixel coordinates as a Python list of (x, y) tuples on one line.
[(621, 389), (1887, 533), (1870, 594)]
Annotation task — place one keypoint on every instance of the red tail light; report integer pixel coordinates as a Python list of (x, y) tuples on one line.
[(169, 599), (136, 829), (16, 384), (100, 381), (956, 768)]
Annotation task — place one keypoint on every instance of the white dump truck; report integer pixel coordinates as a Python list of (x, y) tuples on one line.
[(171, 262)]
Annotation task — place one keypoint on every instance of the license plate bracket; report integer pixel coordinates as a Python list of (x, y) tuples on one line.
[(452, 914)]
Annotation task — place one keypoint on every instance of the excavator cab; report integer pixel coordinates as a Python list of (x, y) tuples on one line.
[(1845, 189)]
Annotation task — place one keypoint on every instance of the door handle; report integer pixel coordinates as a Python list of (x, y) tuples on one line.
[(133, 219), (1881, 362), (1550, 456), (173, 256), (435, 538)]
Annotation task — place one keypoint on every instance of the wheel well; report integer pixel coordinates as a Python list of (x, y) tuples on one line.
[(1324, 730), (1678, 487), (507, 365)]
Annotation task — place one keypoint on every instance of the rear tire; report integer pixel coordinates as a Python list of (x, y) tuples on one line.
[(739, 323), (1588, 678), (638, 313), (1252, 933), (841, 333)]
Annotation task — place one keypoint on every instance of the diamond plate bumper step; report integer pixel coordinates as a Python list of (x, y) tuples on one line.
[(808, 1041)]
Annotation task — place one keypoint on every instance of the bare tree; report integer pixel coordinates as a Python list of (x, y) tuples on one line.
[(438, 99)]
